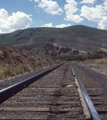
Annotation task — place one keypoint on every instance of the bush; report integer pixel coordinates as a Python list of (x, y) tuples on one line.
[(94, 56), (5, 53), (8, 72), (10, 50), (17, 57), (76, 57), (1, 73)]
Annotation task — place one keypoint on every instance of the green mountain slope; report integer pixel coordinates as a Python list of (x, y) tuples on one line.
[(77, 37), (20, 36)]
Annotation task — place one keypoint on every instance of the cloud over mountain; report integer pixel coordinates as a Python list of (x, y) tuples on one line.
[(16, 21), (93, 13), (71, 10)]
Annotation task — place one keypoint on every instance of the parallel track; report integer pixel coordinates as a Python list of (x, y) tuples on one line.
[(53, 97)]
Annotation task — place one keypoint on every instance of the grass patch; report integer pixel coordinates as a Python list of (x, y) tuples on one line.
[(1, 71), (33, 49), (11, 71), (101, 62)]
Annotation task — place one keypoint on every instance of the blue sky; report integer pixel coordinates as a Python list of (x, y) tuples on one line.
[(20, 14)]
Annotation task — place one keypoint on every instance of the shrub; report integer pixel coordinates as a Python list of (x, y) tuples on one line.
[(5, 53), (76, 57), (94, 56), (24, 54), (10, 50), (17, 57), (31, 59), (8, 72), (26, 69)]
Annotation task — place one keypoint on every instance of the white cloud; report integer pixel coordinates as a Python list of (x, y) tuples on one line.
[(105, 5), (36, 0), (11, 23), (70, 10), (93, 13), (50, 7), (88, 1), (57, 26), (47, 25), (62, 25), (103, 23)]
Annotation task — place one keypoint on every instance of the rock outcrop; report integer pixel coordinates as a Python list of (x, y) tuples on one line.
[(55, 50)]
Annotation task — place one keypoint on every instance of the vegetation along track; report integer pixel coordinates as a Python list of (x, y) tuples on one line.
[(55, 96), (96, 86)]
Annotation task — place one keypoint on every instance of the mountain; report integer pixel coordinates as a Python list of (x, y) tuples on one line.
[(79, 37), (3, 34)]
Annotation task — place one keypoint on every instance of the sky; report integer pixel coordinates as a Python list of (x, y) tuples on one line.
[(21, 14)]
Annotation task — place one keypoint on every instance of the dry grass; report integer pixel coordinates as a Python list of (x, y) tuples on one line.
[(17, 61), (98, 65), (100, 62)]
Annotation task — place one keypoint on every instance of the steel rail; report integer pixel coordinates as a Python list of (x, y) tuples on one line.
[(14, 89), (90, 105)]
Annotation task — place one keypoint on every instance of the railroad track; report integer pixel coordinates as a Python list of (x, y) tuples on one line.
[(95, 85), (54, 96)]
